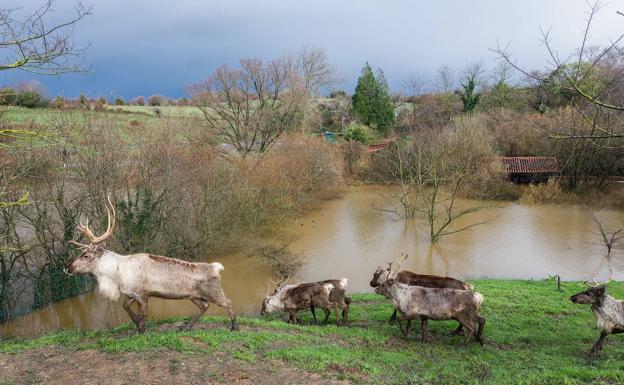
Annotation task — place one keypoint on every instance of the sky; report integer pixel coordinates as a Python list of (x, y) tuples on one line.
[(145, 47)]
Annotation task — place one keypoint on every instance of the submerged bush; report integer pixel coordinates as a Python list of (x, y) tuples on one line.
[(550, 192)]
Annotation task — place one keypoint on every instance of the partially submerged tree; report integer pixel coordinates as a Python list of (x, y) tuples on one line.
[(609, 238), (429, 171)]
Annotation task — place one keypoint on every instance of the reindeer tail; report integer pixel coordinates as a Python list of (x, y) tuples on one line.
[(478, 297)]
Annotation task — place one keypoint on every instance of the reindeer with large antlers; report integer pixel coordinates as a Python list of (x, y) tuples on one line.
[(140, 276), (609, 312)]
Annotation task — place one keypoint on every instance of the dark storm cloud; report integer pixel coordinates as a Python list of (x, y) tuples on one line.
[(145, 47)]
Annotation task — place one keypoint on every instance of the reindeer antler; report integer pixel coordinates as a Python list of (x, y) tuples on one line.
[(84, 227), (281, 280), (268, 287), (401, 261), (596, 284)]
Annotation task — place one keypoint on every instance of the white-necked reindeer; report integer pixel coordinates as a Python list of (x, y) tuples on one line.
[(609, 311), (140, 276)]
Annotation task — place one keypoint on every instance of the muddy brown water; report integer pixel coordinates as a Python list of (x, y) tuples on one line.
[(348, 237)]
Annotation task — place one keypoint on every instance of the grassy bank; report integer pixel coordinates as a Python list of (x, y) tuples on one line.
[(534, 335)]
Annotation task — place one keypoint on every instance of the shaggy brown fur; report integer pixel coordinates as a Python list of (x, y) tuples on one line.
[(424, 280), (337, 295), (294, 298), (437, 304)]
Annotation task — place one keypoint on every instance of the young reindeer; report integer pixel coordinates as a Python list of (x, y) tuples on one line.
[(609, 312), (293, 298), (337, 295), (437, 304), (140, 276), (413, 279)]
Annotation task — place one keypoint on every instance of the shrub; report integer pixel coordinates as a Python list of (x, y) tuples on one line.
[(338, 94), (7, 96), (543, 193), (138, 101), (30, 99), (58, 102), (155, 100), (359, 133), (119, 102)]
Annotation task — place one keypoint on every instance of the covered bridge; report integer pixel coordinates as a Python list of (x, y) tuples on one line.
[(529, 169)]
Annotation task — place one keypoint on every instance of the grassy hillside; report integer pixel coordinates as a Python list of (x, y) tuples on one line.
[(534, 335)]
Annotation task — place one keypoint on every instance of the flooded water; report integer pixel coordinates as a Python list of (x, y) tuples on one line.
[(347, 237)]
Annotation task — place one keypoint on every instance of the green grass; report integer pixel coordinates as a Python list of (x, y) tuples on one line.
[(167, 111), (534, 335)]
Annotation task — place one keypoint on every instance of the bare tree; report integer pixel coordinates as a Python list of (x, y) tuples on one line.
[(428, 180), (446, 81), (280, 259), (415, 86), (314, 68), (501, 90), (608, 238), (252, 106), (35, 44), (591, 78)]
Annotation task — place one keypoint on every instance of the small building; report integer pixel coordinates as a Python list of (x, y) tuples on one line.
[(529, 169)]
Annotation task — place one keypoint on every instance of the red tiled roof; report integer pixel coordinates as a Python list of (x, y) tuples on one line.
[(529, 164)]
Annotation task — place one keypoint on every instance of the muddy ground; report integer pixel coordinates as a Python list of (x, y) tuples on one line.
[(63, 366)]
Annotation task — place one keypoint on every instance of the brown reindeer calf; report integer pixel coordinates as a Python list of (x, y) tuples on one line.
[(437, 304), (294, 298), (337, 295)]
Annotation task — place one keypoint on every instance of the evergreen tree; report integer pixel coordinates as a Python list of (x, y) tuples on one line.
[(372, 104), (469, 97)]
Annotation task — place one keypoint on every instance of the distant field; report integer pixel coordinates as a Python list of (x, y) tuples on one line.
[(45, 116), (133, 123), (167, 111)]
